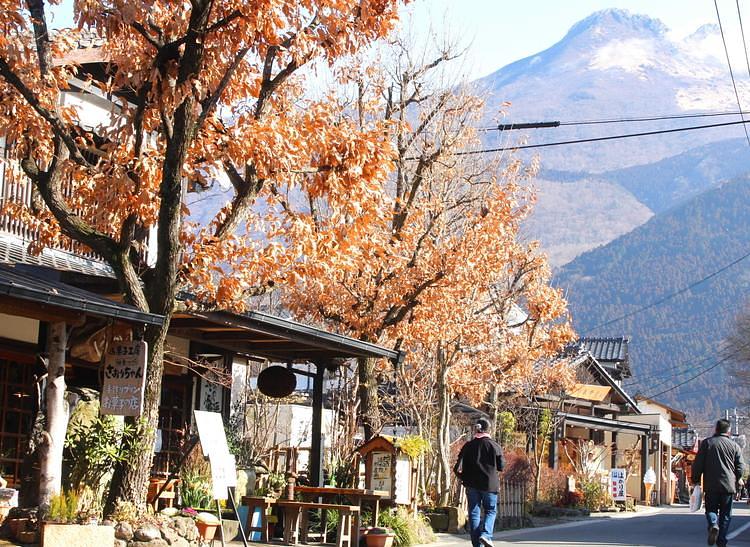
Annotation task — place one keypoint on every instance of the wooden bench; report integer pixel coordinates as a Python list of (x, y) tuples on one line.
[(295, 517)]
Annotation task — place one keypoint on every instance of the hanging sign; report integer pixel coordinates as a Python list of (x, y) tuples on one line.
[(617, 484), (124, 378)]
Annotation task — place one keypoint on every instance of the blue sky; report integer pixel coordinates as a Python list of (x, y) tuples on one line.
[(499, 32), (503, 31)]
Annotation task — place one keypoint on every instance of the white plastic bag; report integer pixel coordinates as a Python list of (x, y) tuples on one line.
[(696, 498)]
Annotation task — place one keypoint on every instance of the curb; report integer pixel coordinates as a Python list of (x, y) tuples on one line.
[(449, 539)]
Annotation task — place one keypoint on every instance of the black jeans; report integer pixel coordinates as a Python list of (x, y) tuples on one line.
[(719, 513)]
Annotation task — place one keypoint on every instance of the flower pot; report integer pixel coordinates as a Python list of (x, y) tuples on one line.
[(77, 535), (207, 531), (17, 525), (379, 540)]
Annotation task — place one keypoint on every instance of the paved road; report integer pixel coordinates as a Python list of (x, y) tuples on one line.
[(670, 527)]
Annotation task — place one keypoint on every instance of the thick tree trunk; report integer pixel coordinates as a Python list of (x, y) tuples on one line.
[(57, 416), (368, 397), (443, 432), (130, 482)]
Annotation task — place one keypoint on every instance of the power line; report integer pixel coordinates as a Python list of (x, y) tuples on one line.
[(542, 125), (713, 366), (669, 296), (592, 139), (742, 31), (695, 365), (731, 72)]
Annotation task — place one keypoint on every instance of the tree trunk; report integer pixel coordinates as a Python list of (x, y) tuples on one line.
[(368, 397), (57, 416), (443, 432), (130, 481)]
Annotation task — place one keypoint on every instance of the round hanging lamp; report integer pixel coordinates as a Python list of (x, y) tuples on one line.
[(277, 382)]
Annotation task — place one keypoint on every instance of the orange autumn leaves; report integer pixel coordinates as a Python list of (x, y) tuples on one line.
[(439, 264), (358, 207), (258, 122)]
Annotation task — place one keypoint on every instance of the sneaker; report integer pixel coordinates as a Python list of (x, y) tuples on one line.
[(487, 542), (713, 533)]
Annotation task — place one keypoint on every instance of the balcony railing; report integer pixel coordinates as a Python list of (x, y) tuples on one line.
[(14, 188)]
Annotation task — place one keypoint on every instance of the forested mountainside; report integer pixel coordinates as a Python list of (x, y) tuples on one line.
[(681, 337)]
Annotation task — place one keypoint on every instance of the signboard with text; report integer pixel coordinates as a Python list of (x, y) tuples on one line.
[(382, 471), (214, 444), (124, 378), (617, 484)]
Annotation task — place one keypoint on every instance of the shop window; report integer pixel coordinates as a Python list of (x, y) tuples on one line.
[(16, 417), (173, 421)]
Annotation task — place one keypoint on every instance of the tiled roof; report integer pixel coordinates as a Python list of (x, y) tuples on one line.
[(606, 349)]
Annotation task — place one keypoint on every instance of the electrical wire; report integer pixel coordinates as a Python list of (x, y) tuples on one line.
[(668, 296), (742, 31), (712, 367), (542, 125), (592, 139), (731, 72), (694, 366)]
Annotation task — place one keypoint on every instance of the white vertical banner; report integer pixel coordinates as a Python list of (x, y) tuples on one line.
[(617, 484)]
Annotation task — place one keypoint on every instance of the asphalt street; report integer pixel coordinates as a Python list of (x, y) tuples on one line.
[(669, 527)]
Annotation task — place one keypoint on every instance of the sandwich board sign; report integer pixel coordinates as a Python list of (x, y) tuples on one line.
[(215, 448), (124, 378), (617, 484)]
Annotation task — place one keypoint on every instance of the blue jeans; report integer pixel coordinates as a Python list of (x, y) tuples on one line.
[(719, 513), (478, 526)]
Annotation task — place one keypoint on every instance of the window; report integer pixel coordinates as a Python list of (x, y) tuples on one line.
[(16, 417)]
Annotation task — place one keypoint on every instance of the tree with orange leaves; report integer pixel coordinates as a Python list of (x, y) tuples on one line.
[(203, 89), (440, 264)]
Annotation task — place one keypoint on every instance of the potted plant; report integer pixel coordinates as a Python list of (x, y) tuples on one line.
[(275, 484), (61, 526), (207, 524), (379, 537)]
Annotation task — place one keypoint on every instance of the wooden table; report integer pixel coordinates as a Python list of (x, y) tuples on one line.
[(296, 521), (355, 496)]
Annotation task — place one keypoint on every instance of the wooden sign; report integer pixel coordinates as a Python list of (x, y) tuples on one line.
[(382, 471), (124, 378)]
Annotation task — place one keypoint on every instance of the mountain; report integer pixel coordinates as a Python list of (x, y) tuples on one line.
[(668, 182), (615, 65), (611, 65), (573, 218), (678, 337)]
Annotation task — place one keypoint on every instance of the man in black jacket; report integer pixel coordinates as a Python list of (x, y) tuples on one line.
[(719, 461), (477, 466)]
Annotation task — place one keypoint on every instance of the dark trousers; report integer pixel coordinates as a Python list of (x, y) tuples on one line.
[(719, 513)]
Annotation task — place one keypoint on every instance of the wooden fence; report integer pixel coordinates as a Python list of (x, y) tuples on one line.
[(511, 504)]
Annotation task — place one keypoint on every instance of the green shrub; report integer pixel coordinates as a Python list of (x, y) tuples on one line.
[(63, 508), (595, 495), (409, 529)]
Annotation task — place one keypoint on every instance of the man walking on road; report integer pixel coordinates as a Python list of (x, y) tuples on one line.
[(477, 466), (719, 461)]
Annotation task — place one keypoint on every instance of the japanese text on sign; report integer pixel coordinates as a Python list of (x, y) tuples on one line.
[(124, 378), (617, 484), (381, 471)]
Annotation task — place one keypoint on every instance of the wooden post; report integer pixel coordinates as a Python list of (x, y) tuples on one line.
[(316, 445), (56, 415)]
